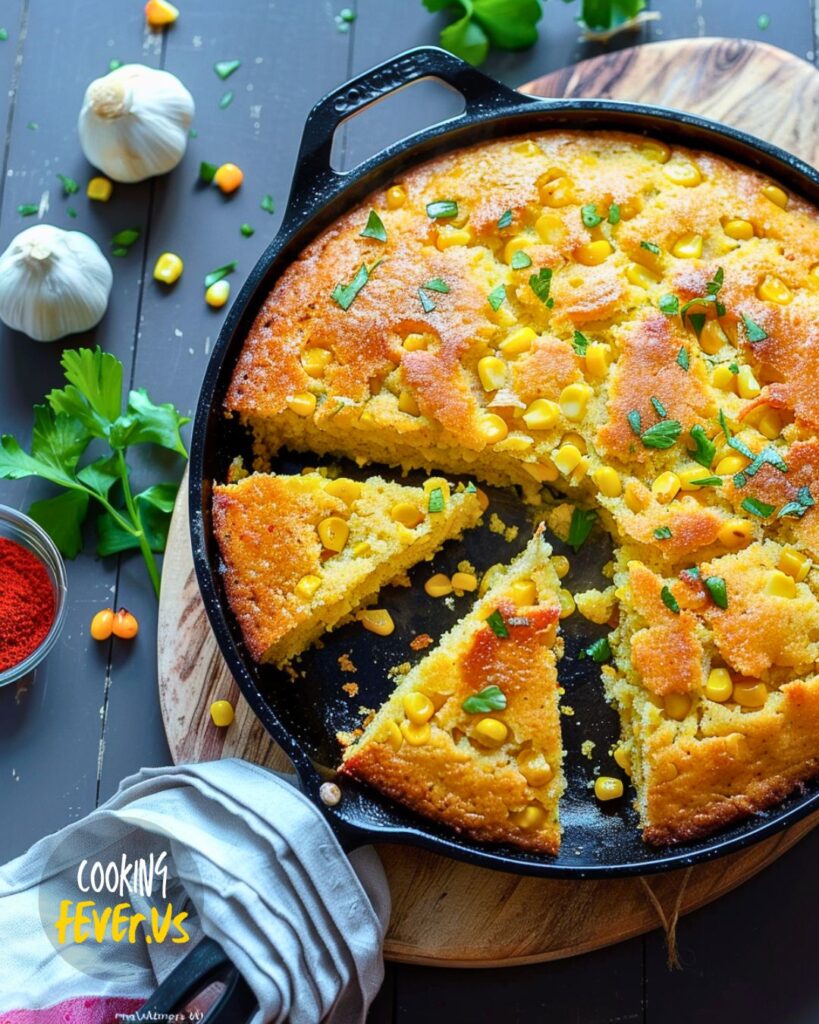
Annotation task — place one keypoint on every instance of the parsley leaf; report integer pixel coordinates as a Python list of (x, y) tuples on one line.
[(225, 68), (541, 283), (426, 302), (497, 625), (705, 448), (507, 24), (635, 421), (652, 247), (490, 698), (669, 304), (505, 219), (599, 651), (437, 284), (344, 294), (580, 527), (662, 435), (589, 215), (663, 533), (760, 509), (497, 297), (580, 343), (442, 209), (697, 321), (436, 500), (207, 172), (219, 273), (716, 587), (267, 203), (374, 228), (659, 408), (520, 260), (753, 332), (682, 358), (670, 601), (708, 481), (608, 16), (796, 509), (70, 187), (614, 214)]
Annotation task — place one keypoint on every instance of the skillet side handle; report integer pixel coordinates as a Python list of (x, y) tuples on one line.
[(207, 962), (314, 176)]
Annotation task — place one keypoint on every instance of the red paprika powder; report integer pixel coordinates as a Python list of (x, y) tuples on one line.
[(27, 605)]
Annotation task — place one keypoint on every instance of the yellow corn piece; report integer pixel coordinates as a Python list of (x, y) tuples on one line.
[(418, 708), (377, 620), (492, 428), (719, 685), (606, 787), (593, 253), (683, 172), (302, 404), (778, 196), (735, 534), (677, 705), (608, 481), (168, 268), (307, 586), (534, 768), (573, 400), (490, 732), (99, 189), (774, 289), (741, 230), (348, 490), (333, 533), (750, 694), (598, 359), (780, 584), (465, 581), (666, 486), (687, 247), (517, 342), (396, 197), (407, 514), (438, 585), (492, 373), (795, 564)]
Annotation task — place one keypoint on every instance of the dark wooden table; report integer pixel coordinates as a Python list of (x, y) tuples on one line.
[(91, 715)]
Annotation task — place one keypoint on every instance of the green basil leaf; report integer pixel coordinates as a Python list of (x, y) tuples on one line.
[(669, 304), (225, 68), (442, 209), (705, 448), (505, 219), (374, 228), (580, 527), (497, 625), (491, 698), (669, 600), (753, 332), (614, 214), (760, 509), (682, 358), (716, 587), (520, 260), (497, 297), (662, 435), (663, 533), (589, 215), (541, 283)]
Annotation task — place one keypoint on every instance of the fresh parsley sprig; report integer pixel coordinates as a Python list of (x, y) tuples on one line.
[(87, 409)]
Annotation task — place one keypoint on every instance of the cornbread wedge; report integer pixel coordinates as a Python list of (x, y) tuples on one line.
[(719, 705), (302, 552), (471, 737)]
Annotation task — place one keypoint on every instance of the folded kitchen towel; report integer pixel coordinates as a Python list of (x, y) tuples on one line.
[(250, 861)]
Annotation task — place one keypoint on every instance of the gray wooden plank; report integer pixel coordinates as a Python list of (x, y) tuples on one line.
[(51, 727), (13, 21), (288, 63)]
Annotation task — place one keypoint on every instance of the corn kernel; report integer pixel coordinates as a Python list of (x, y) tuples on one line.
[(573, 400), (416, 735), (492, 372), (658, 152), (712, 337), (492, 428), (747, 384), (683, 172), (636, 496), (719, 685), (406, 513), (677, 705), (795, 564), (168, 268), (515, 245), (735, 534), (362, 549), (544, 473), (519, 341), (593, 253), (159, 13), (769, 424), (622, 757), (567, 459), (523, 593), (418, 708), (490, 732), (780, 584), (490, 577), (396, 197), (598, 359), (221, 713), (641, 276), (438, 585), (218, 294), (580, 470), (465, 581), (722, 378), (534, 768), (813, 273), (391, 734), (687, 247), (541, 414), (687, 477), (606, 787), (750, 694), (774, 289), (567, 604), (741, 230), (665, 487), (449, 236), (307, 586), (608, 482), (407, 403), (736, 745), (558, 192), (730, 465), (550, 228), (315, 360), (527, 148), (561, 565), (777, 195), (348, 490), (303, 404), (529, 818), (99, 189), (377, 620), (333, 533), (416, 342)]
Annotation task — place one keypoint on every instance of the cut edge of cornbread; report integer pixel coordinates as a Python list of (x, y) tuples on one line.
[(494, 774)]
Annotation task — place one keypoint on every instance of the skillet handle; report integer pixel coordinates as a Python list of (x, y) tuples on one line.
[(314, 177)]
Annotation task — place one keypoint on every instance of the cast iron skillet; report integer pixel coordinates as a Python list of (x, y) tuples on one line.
[(304, 716)]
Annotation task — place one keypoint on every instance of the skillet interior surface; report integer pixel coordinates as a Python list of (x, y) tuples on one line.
[(304, 714)]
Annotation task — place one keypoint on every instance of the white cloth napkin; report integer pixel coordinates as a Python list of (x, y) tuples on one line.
[(259, 870)]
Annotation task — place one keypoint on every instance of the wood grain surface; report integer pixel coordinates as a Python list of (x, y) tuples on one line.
[(445, 912)]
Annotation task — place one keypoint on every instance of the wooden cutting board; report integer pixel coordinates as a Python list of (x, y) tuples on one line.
[(446, 912)]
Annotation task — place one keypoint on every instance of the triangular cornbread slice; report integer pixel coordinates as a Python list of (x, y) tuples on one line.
[(716, 684), (302, 552), (471, 737)]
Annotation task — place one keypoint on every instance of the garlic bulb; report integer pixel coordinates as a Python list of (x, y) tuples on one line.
[(134, 122), (53, 283)]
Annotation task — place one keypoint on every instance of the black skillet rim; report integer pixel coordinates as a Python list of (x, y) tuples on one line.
[(318, 196)]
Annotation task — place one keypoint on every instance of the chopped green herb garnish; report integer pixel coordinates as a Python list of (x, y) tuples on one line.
[(715, 284), (715, 585), (705, 448), (33, 126), (207, 172), (267, 204), (758, 508), (344, 294), (28, 209), (697, 321), (219, 273), (599, 651), (580, 343), (682, 358), (374, 228), (614, 214), (497, 625), (437, 284), (125, 239), (114, 64), (520, 260), (436, 500), (497, 297), (663, 533), (4, 34), (798, 508), (708, 481), (662, 435), (491, 698), (580, 527), (225, 68), (763, 21), (669, 304), (247, 230), (426, 302), (442, 209), (693, 572), (659, 408), (651, 246), (505, 219), (740, 446), (733, 368), (589, 215), (670, 601), (753, 332), (635, 421), (226, 100), (71, 211), (119, 250), (767, 457), (723, 422), (541, 283), (70, 187)]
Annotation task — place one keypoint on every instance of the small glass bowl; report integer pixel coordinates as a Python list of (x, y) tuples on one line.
[(30, 535)]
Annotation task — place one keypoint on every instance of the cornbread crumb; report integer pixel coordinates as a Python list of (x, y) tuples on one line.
[(351, 689), (586, 748), (596, 605), (345, 663), (567, 710), (559, 520), (466, 566), (421, 641)]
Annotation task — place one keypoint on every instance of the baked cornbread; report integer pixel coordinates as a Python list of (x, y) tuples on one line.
[(623, 321), (301, 553), (471, 736)]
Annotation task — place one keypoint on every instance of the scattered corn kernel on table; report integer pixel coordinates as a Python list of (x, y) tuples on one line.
[(91, 715)]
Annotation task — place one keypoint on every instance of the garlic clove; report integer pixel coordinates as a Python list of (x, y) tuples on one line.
[(134, 122), (53, 283)]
